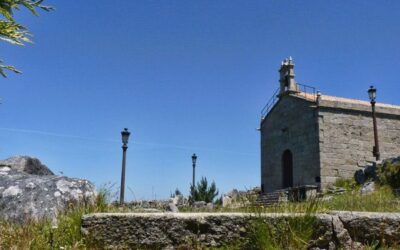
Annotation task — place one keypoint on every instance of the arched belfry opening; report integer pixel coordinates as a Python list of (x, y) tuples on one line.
[(287, 169)]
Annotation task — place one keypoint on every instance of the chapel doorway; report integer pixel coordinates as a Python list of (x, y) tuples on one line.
[(287, 167)]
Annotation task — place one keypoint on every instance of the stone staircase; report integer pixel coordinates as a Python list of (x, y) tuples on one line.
[(298, 193), (272, 198)]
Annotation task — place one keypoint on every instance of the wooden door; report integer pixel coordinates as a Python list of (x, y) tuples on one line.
[(287, 167)]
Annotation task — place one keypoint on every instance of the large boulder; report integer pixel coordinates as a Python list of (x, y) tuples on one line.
[(27, 165), (29, 190)]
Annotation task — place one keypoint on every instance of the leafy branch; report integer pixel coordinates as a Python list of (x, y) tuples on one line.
[(13, 32), (7, 67)]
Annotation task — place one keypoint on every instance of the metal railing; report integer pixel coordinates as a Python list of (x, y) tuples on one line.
[(306, 91), (274, 98), (302, 90)]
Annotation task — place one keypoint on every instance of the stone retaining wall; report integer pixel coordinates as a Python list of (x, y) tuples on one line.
[(344, 230)]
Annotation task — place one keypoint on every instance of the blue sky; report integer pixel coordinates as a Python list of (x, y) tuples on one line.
[(185, 77)]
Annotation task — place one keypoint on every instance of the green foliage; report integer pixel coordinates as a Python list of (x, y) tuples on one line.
[(203, 192), (389, 174), (345, 183), (7, 67), (218, 201), (176, 193), (13, 32)]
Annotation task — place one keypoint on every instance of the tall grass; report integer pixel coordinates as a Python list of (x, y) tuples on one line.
[(382, 200), (286, 232), (45, 234)]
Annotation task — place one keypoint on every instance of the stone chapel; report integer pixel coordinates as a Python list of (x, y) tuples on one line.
[(308, 138)]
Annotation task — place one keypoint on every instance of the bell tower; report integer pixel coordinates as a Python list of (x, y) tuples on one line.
[(287, 82)]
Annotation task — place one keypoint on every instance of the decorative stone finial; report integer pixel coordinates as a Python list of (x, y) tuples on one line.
[(318, 99), (287, 81)]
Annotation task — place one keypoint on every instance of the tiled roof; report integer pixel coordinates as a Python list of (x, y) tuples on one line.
[(312, 97)]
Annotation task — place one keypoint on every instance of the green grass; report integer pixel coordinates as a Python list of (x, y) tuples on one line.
[(44, 235), (383, 200)]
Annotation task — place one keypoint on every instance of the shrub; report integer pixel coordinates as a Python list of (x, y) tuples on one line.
[(389, 174), (203, 192), (176, 193)]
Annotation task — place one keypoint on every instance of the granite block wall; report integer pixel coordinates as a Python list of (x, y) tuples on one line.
[(291, 125), (346, 140)]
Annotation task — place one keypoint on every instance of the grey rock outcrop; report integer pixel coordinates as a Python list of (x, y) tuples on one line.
[(199, 204), (368, 188), (180, 200), (29, 190), (369, 172), (236, 198), (27, 165), (172, 208)]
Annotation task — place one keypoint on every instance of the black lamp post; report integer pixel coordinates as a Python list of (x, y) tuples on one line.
[(125, 137), (372, 97), (194, 159)]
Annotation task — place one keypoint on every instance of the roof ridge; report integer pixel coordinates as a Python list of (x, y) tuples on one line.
[(311, 96), (357, 101)]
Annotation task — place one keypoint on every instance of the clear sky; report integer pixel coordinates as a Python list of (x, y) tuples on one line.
[(185, 77)]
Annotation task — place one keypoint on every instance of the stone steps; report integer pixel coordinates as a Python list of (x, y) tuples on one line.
[(275, 197)]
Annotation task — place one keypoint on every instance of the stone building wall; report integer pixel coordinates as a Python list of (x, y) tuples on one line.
[(292, 124), (347, 138)]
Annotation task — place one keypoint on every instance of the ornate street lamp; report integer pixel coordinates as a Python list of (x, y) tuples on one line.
[(194, 159), (125, 137), (372, 97)]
